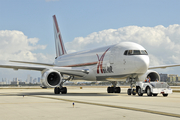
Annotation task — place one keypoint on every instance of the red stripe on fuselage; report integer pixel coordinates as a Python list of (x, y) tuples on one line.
[(83, 64)]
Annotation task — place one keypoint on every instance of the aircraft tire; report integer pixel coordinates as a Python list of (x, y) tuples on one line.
[(155, 94), (64, 90), (56, 90), (133, 92), (117, 90), (129, 91), (165, 95), (110, 89)]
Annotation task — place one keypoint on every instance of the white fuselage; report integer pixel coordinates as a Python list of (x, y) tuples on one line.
[(109, 62)]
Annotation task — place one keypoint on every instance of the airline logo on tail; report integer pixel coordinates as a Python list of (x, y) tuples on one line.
[(60, 49)]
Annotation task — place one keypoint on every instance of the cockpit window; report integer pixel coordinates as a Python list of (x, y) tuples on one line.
[(144, 52), (135, 52)]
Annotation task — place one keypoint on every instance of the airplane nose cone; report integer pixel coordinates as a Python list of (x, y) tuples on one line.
[(142, 63)]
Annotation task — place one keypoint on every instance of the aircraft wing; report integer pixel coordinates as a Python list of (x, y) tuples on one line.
[(63, 70), (16, 67), (163, 66), (35, 63), (72, 71)]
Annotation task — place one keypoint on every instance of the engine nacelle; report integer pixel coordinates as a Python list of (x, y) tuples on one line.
[(51, 78), (152, 74)]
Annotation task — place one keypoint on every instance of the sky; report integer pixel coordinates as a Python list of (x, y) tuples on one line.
[(26, 29)]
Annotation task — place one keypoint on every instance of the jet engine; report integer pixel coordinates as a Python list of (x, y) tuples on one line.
[(152, 74), (51, 78)]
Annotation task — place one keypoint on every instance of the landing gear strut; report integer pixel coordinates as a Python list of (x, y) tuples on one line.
[(60, 89), (132, 84), (114, 89)]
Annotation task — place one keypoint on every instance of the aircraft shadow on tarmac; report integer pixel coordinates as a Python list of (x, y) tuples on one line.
[(72, 94), (49, 93)]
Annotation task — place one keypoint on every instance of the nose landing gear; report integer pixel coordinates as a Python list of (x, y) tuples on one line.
[(132, 84)]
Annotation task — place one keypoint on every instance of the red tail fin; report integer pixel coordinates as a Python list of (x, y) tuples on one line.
[(60, 49)]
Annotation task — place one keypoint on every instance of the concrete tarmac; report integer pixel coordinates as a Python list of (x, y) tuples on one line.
[(90, 103)]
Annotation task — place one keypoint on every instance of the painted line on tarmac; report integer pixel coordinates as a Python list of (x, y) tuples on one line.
[(114, 106), (176, 90), (27, 103)]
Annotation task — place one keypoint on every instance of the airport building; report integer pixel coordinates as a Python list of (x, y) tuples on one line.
[(15, 81), (169, 78)]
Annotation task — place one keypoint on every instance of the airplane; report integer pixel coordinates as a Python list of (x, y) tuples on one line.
[(118, 62)]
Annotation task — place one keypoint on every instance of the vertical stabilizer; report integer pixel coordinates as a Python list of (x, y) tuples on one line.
[(60, 49)]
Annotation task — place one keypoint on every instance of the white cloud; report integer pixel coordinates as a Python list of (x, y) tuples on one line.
[(17, 46), (14, 45), (162, 43)]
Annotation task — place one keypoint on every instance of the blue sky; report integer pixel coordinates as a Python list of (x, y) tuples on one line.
[(80, 18)]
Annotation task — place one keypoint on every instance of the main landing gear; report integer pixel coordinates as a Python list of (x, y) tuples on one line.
[(114, 89), (60, 89)]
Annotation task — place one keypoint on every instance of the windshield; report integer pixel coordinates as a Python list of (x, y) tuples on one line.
[(135, 52)]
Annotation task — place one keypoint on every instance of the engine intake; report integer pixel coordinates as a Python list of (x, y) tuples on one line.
[(51, 78)]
